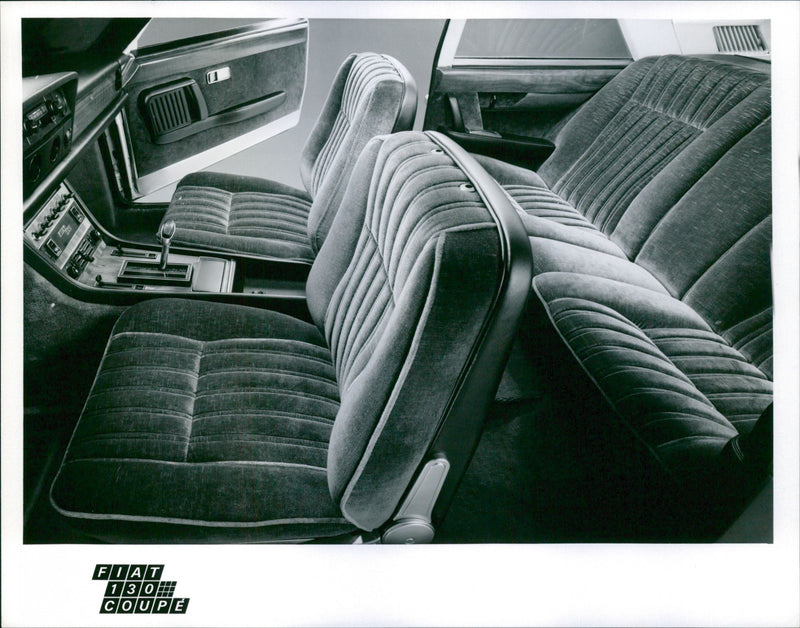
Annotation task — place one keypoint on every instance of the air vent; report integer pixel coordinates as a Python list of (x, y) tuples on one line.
[(739, 38), (169, 110)]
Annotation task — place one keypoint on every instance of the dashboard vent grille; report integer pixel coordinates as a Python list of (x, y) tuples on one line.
[(739, 38), (169, 110)]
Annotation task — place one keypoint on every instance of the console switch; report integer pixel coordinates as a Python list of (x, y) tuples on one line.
[(52, 248)]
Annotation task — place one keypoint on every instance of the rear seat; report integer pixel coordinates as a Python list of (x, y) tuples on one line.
[(650, 227)]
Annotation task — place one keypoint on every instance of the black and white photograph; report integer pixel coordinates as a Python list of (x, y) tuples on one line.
[(400, 314)]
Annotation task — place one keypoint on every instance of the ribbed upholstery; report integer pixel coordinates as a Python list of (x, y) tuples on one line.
[(650, 228), (196, 419), (199, 389), (562, 238), (753, 337), (423, 230), (371, 95), (241, 215), (366, 74), (674, 100), (681, 387), (210, 421)]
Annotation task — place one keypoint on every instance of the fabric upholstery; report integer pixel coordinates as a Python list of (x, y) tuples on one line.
[(207, 415), (241, 215), (247, 423), (371, 95), (373, 101), (648, 115), (650, 228), (683, 389), (562, 238), (387, 336)]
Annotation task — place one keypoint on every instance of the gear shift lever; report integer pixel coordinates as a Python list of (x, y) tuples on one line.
[(165, 234)]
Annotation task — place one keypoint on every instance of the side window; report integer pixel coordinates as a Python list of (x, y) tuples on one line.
[(541, 39)]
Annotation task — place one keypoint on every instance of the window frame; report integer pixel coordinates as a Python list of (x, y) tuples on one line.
[(455, 30)]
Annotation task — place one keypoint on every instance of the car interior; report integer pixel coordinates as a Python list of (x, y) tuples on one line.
[(526, 298)]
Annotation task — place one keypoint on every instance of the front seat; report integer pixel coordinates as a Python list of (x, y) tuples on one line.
[(212, 422), (372, 94)]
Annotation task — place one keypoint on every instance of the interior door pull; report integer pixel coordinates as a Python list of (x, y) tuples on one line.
[(229, 116), (220, 74)]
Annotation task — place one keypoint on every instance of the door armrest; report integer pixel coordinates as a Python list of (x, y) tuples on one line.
[(528, 152)]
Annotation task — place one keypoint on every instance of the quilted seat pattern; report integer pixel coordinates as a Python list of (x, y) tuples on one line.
[(562, 237), (371, 94), (680, 386), (650, 228), (197, 423), (241, 214), (423, 229), (366, 74), (211, 421), (650, 114)]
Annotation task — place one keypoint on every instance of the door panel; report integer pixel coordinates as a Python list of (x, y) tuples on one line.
[(545, 80), (513, 107), (196, 102), (525, 101)]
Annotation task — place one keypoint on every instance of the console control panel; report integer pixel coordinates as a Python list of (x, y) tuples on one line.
[(61, 230), (63, 233)]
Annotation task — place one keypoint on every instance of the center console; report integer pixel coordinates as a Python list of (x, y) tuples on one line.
[(66, 244), (62, 231)]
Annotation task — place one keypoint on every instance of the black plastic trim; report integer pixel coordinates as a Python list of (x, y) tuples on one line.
[(530, 152), (407, 113), (199, 40), (434, 73), (290, 301), (458, 119), (229, 116), (460, 431), (176, 60)]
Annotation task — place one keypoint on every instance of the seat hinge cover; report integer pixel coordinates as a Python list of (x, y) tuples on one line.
[(412, 523)]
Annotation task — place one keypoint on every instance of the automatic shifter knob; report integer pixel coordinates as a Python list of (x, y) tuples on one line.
[(165, 234)]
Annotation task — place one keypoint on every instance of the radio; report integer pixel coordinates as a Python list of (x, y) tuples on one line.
[(46, 124)]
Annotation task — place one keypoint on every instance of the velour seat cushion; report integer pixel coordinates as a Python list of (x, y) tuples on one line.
[(212, 418), (562, 239), (650, 228), (372, 94), (681, 387), (242, 215), (210, 422)]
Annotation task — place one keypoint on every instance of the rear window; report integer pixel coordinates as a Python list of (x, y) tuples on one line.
[(542, 39)]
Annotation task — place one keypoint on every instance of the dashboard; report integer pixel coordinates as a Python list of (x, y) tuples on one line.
[(47, 124), (63, 115)]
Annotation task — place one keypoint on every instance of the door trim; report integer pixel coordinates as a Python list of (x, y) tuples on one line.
[(161, 178), (187, 58), (467, 62), (191, 54)]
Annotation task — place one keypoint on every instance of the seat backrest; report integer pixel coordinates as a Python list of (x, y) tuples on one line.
[(657, 109), (372, 94), (672, 160), (418, 289)]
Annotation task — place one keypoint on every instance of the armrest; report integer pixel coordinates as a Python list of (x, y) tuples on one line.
[(528, 152)]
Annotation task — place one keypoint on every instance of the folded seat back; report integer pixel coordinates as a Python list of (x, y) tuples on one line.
[(417, 289)]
